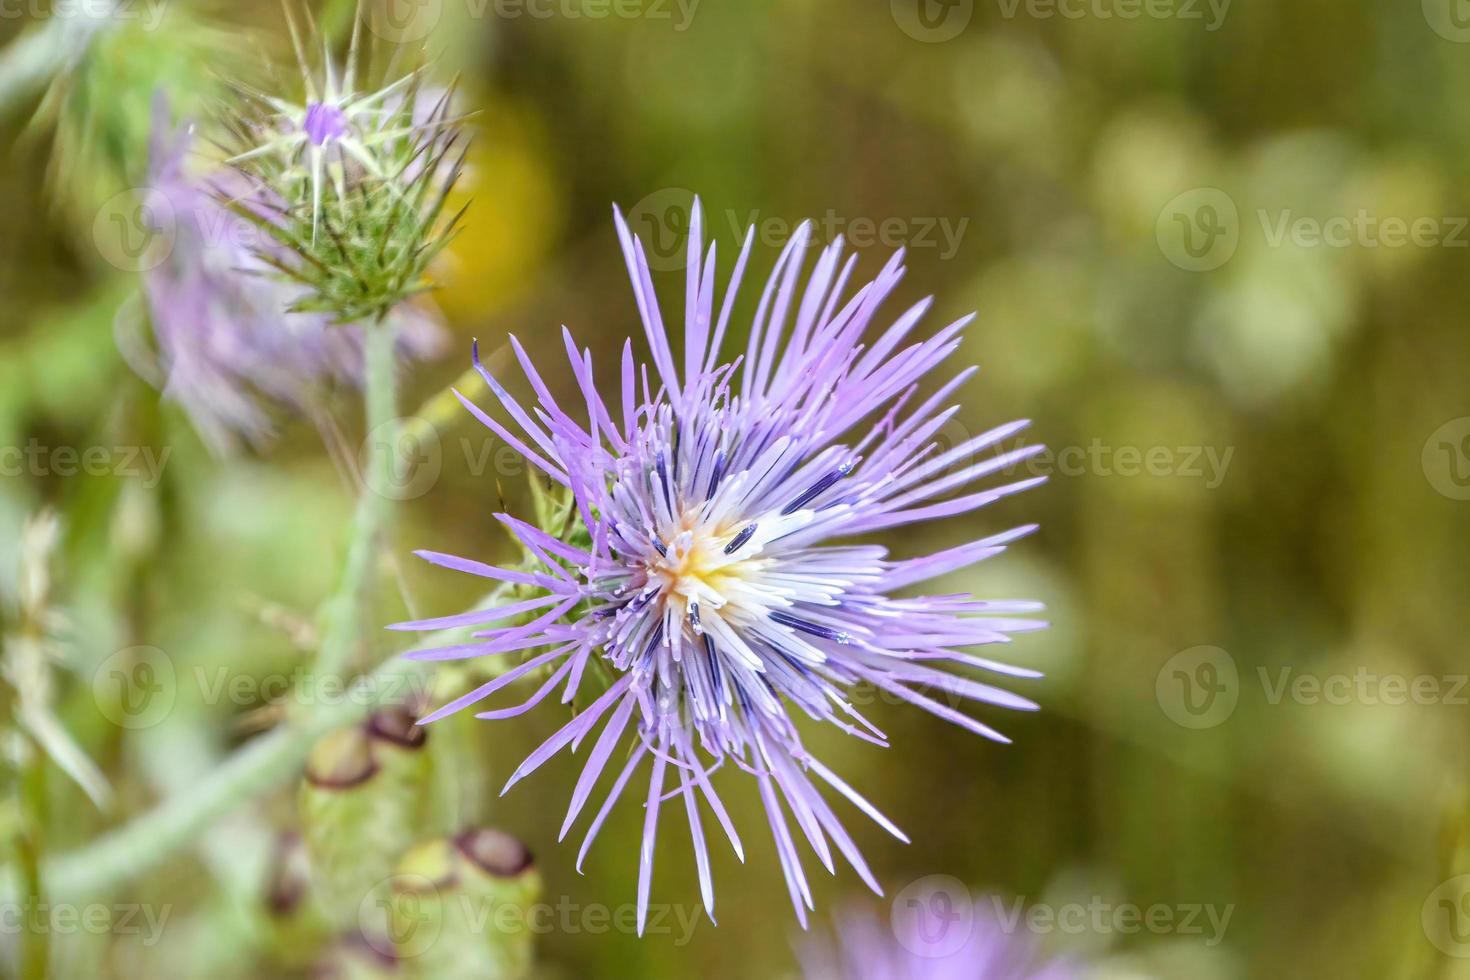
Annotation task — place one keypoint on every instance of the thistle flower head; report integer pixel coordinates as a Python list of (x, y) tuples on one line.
[(352, 182), (713, 581), (228, 347)]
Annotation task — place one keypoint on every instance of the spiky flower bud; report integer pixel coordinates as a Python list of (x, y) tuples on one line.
[(357, 957), (352, 182), (227, 349), (361, 807), (296, 927), (458, 908)]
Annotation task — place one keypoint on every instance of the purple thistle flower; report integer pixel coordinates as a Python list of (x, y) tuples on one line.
[(324, 122), (929, 943), (227, 345), (709, 582)]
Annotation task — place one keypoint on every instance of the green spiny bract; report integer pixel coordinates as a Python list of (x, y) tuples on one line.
[(348, 187)]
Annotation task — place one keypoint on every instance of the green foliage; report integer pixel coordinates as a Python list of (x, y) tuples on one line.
[(101, 106)]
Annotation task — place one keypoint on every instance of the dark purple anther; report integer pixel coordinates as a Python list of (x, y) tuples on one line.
[(807, 626), (815, 490), (739, 540)]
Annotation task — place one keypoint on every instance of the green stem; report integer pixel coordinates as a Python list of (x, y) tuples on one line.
[(264, 763), (36, 945), (273, 758), (342, 616), (261, 765)]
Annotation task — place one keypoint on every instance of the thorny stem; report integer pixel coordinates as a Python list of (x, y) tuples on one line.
[(264, 763), (341, 618), (172, 825), (36, 946), (261, 765)]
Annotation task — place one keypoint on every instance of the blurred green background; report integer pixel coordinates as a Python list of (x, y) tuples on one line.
[(1219, 256)]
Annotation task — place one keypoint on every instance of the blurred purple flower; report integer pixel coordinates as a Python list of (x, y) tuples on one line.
[(705, 582), (227, 344), (925, 943)]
